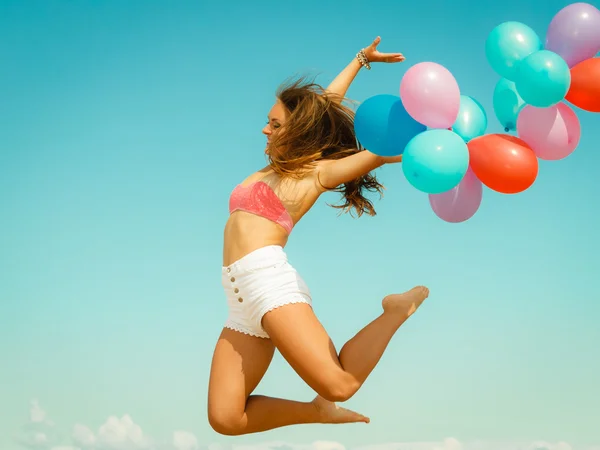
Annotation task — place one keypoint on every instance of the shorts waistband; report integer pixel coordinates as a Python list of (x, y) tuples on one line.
[(269, 253)]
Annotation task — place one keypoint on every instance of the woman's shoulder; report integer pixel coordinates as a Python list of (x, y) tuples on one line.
[(258, 175)]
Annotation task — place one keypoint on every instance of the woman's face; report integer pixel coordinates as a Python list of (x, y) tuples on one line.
[(275, 120)]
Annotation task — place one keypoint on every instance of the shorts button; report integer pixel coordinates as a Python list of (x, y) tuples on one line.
[(232, 279), (236, 290), (240, 299)]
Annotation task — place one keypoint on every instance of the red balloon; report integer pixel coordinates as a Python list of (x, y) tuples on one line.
[(585, 85), (503, 163)]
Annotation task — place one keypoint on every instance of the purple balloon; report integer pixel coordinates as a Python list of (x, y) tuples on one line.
[(574, 33), (460, 203)]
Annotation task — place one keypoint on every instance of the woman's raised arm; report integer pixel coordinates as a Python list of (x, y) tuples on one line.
[(339, 86)]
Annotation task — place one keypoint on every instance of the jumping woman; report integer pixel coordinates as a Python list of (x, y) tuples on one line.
[(311, 148)]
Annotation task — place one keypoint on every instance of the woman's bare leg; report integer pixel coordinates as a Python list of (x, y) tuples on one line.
[(304, 343), (239, 363)]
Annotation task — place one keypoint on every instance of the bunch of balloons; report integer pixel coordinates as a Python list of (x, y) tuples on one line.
[(441, 133), (430, 124), (536, 78)]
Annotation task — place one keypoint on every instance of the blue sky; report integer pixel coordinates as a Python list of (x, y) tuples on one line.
[(125, 125)]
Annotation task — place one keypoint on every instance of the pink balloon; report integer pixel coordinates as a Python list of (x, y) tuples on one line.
[(431, 95), (460, 203), (553, 133)]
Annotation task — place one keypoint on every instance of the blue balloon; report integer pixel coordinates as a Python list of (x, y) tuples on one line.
[(507, 104), (508, 44), (472, 119), (435, 161), (383, 126), (543, 79)]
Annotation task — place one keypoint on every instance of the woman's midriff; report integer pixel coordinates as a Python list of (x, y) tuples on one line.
[(246, 232)]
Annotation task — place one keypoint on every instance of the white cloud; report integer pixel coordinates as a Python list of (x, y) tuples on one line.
[(34, 438), (83, 436), (454, 444), (38, 433), (218, 447), (281, 445), (39, 438), (184, 440), (327, 445), (122, 433), (114, 434), (446, 444), (36, 413), (516, 445), (542, 445)]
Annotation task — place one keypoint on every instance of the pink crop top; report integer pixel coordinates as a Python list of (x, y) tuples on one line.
[(258, 198)]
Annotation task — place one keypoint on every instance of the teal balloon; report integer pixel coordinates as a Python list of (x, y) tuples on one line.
[(508, 44), (435, 161), (507, 104), (471, 121), (543, 79)]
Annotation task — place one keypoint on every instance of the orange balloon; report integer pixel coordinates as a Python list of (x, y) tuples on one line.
[(503, 163), (585, 85)]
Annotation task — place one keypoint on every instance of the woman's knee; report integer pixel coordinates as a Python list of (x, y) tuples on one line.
[(337, 388), (228, 423)]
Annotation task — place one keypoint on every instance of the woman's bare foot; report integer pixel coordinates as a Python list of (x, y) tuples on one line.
[(407, 303), (329, 412)]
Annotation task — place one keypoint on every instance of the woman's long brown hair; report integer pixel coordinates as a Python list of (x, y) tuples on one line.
[(319, 127)]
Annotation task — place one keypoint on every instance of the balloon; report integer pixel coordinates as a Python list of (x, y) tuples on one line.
[(507, 104), (459, 203), (502, 162), (383, 126), (552, 133), (471, 121), (432, 128), (430, 94), (435, 161), (574, 33), (585, 85), (543, 79), (508, 44)]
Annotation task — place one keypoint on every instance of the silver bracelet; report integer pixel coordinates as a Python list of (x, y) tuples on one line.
[(363, 60)]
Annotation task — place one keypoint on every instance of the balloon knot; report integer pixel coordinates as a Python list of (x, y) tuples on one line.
[(506, 129)]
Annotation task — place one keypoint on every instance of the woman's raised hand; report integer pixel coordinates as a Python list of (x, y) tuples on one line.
[(374, 55)]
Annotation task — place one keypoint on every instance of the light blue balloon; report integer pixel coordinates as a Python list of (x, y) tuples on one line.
[(507, 104), (471, 121), (435, 161), (543, 79), (383, 126), (508, 44)]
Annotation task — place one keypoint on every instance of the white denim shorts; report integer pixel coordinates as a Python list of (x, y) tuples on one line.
[(258, 283)]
